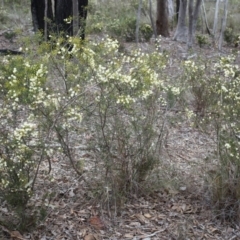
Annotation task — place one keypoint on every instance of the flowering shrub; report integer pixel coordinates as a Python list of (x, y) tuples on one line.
[(121, 110), (21, 136), (215, 87), (64, 94)]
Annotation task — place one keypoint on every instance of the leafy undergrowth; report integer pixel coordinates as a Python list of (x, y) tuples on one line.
[(124, 189), (177, 211), (70, 207)]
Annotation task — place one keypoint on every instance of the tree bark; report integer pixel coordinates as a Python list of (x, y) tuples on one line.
[(162, 18), (63, 13), (151, 19), (224, 23), (75, 17), (64, 10), (184, 34), (45, 22), (190, 24), (215, 24), (193, 17), (38, 14), (205, 18), (138, 20), (181, 31), (177, 9), (82, 11), (170, 10), (196, 14)]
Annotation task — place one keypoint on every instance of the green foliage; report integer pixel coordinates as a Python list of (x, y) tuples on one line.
[(231, 37), (216, 101), (127, 30), (202, 40), (127, 132), (56, 94), (23, 81), (10, 35), (118, 20), (3, 16), (21, 88), (146, 32), (114, 97), (197, 83)]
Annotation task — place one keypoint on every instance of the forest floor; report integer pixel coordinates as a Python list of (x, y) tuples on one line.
[(181, 208)]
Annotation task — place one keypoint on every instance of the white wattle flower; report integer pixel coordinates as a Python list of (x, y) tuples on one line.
[(227, 146)]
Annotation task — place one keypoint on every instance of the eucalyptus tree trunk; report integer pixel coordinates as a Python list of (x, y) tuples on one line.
[(190, 24), (184, 33), (177, 9), (205, 18), (215, 24), (196, 14), (45, 22), (170, 10), (193, 17), (41, 11), (57, 11), (75, 17), (138, 20), (224, 23), (181, 31), (162, 18), (151, 19), (64, 9)]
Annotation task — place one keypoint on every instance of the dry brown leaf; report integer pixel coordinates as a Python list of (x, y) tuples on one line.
[(84, 231), (89, 237), (183, 207), (16, 235), (147, 215), (128, 235), (213, 230), (141, 218), (97, 223), (135, 224), (161, 216)]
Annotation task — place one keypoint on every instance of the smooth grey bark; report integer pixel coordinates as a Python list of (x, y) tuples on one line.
[(184, 33), (170, 10), (215, 24), (138, 20), (196, 14), (151, 19), (75, 17), (224, 23), (45, 22), (190, 24), (193, 13), (205, 17), (181, 31)]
